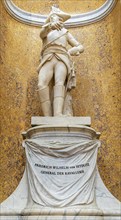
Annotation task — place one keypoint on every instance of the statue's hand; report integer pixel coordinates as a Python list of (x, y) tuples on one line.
[(56, 25), (75, 51)]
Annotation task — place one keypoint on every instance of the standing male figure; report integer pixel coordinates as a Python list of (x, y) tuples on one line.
[(56, 62)]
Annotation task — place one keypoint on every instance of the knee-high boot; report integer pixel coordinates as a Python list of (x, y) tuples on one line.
[(59, 94), (45, 101)]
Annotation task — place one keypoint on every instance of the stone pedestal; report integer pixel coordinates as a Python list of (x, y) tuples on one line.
[(61, 180)]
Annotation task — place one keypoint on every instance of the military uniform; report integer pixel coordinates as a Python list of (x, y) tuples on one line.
[(55, 41)]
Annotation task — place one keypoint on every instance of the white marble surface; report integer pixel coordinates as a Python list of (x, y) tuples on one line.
[(36, 120), (54, 218), (61, 175), (105, 207), (61, 218), (109, 206)]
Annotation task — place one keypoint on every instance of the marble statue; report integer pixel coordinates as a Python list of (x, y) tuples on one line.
[(56, 64), (61, 180)]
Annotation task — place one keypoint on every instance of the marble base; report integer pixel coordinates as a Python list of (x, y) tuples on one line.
[(61, 218), (19, 207), (35, 121), (14, 208)]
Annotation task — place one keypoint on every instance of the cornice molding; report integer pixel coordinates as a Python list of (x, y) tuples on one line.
[(75, 21)]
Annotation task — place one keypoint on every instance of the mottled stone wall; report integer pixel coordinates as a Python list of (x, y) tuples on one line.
[(96, 94)]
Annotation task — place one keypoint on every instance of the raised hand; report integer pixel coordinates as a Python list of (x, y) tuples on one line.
[(56, 25)]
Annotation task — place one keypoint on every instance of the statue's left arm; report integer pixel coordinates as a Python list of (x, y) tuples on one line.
[(77, 48)]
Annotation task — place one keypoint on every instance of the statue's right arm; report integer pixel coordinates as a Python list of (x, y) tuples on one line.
[(45, 30), (49, 27)]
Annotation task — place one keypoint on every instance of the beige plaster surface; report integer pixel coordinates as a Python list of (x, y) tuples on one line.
[(71, 6), (96, 94)]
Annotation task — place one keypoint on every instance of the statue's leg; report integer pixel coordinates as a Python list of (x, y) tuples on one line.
[(45, 76), (59, 88)]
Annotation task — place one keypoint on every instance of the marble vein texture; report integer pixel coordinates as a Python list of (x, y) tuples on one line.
[(75, 21), (21, 206)]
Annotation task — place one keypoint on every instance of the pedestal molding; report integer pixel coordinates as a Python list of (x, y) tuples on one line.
[(44, 130)]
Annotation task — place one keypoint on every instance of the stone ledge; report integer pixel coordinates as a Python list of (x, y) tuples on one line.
[(60, 130), (64, 217), (40, 121)]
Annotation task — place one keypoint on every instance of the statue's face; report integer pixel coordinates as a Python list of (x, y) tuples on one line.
[(55, 18)]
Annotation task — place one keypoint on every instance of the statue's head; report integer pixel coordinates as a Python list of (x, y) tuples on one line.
[(57, 15)]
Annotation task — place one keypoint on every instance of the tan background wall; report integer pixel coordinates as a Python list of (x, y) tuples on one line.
[(96, 94)]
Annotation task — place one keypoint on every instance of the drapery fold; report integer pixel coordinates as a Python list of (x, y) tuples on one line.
[(61, 174)]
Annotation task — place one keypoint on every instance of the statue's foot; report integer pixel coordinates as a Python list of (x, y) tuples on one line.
[(58, 115), (61, 115), (68, 115)]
